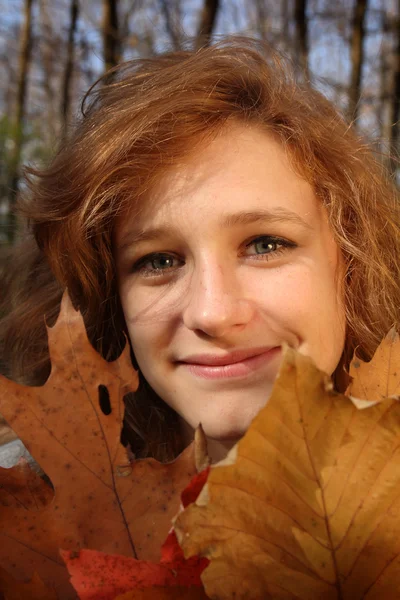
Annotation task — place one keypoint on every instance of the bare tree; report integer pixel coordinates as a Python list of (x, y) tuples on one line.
[(385, 81), (285, 21), (208, 19), (23, 72), (262, 19), (124, 26), (302, 41), (357, 56), (49, 43), (172, 22), (395, 102), (111, 40), (85, 65), (69, 64), (8, 90)]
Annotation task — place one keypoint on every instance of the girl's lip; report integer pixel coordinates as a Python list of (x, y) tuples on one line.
[(237, 369), (214, 360)]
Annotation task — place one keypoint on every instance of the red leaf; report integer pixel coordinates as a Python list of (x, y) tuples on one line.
[(163, 593), (193, 489), (99, 576)]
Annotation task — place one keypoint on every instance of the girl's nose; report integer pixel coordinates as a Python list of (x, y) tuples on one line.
[(216, 302)]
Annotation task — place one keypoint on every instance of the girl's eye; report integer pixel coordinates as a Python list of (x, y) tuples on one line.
[(155, 264), (267, 245)]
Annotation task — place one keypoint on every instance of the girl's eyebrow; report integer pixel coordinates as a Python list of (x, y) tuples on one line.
[(278, 214), (275, 215)]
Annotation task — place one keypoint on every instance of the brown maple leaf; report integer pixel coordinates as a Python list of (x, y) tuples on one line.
[(379, 378), (307, 505), (101, 501)]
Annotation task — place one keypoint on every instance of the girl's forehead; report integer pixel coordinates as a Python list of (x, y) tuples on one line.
[(238, 151), (243, 169)]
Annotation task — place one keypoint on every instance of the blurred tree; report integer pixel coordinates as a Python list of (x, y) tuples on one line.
[(171, 13), (9, 70), (357, 56), (262, 19), (301, 24), (20, 108), (394, 114), (111, 40), (6, 136), (69, 64), (208, 19), (47, 51)]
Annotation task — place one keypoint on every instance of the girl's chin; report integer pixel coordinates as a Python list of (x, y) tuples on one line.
[(221, 440), (230, 426), (223, 428), (225, 435)]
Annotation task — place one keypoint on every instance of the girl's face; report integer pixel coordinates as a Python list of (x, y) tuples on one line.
[(234, 253)]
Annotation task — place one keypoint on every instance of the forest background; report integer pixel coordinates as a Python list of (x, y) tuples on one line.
[(51, 51)]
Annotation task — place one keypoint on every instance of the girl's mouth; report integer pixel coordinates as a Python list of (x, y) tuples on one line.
[(242, 368)]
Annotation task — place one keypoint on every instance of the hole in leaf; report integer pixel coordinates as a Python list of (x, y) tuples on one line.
[(104, 400)]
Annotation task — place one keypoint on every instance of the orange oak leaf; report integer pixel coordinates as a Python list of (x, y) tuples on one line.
[(20, 486), (100, 500), (380, 377), (307, 504), (18, 590), (6, 433)]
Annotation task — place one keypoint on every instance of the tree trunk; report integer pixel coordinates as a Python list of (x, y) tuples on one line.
[(111, 42), (357, 57), (208, 19), (395, 104), (285, 23), (302, 42), (69, 65), (262, 24), (48, 48), (23, 73), (171, 23)]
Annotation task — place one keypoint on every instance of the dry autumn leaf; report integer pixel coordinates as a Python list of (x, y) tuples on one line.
[(23, 487), (101, 501), (307, 506), (6, 433), (19, 590), (379, 378)]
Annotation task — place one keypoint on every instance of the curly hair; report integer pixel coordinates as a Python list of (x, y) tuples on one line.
[(145, 117)]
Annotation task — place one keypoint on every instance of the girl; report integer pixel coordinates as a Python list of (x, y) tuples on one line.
[(210, 208)]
